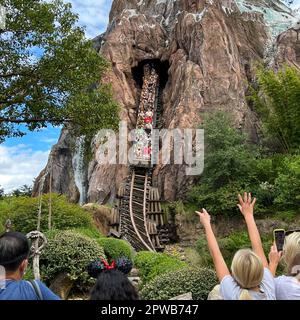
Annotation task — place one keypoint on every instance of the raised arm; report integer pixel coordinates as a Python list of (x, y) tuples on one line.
[(219, 262), (246, 207), (274, 258)]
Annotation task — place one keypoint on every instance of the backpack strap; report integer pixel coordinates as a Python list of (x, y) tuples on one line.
[(36, 289)]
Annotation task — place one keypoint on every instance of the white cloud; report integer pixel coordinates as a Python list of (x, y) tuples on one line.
[(93, 14), (19, 165), (296, 4)]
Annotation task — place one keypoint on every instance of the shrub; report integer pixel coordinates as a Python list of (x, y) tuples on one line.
[(287, 183), (229, 166), (229, 246), (115, 248), (91, 232), (202, 249), (152, 264), (69, 252), (199, 281), (23, 212)]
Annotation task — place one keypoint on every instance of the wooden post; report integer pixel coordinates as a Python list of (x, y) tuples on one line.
[(36, 248), (36, 260)]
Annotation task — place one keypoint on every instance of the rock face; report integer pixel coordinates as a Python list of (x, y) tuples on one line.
[(289, 47), (205, 49)]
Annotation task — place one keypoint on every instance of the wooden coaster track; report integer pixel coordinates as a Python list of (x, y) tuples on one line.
[(139, 218)]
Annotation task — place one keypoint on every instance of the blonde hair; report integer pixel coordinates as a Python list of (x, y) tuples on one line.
[(291, 254), (247, 270)]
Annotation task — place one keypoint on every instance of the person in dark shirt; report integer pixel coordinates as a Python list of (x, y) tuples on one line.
[(14, 253)]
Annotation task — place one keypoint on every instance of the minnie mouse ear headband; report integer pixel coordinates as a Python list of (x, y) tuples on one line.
[(122, 264)]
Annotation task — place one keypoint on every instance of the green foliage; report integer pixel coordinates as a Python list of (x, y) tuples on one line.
[(229, 163), (229, 246), (50, 73), (29, 272), (203, 251), (91, 232), (69, 252), (199, 281), (287, 216), (23, 212), (115, 248), (228, 154), (152, 264), (276, 99), (287, 183), (25, 191), (233, 166)]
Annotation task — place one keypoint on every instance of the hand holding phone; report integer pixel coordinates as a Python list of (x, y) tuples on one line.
[(279, 236)]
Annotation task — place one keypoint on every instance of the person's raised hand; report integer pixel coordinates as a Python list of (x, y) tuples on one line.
[(246, 204), (204, 217), (274, 255)]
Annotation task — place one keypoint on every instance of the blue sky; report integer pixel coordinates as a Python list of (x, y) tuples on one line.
[(21, 159)]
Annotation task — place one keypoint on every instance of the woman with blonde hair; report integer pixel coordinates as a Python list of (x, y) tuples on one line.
[(251, 279), (287, 286)]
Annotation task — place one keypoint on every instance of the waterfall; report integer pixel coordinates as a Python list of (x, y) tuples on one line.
[(78, 167)]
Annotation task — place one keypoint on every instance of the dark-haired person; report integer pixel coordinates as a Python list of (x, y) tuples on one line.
[(112, 281), (14, 252)]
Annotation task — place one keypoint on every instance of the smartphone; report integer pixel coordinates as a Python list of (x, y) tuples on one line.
[(279, 236)]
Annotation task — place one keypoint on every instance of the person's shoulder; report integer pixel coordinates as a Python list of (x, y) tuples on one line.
[(283, 280), (24, 283), (268, 274), (229, 288), (227, 279)]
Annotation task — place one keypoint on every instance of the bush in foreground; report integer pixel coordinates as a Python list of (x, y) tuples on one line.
[(152, 264), (114, 248), (198, 281), (69, 252), (23, 212)]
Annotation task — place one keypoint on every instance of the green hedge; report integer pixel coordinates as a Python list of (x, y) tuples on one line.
[(152, 264), (69, 252), (115, 248), (23, 212), (198, 281)]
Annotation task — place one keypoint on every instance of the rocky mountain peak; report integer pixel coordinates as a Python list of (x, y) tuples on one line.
[(204, 51)]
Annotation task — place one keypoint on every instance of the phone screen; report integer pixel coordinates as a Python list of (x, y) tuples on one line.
[(279, 239)]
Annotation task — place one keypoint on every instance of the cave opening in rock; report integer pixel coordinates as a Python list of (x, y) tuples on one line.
[(161, 67)]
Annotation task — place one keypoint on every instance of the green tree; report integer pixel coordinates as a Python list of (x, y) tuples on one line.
[(276, 99), (288, 184), (1, 192), (49, 72), (24, 191), (229, 165)]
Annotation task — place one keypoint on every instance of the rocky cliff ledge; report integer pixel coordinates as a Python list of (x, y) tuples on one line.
[(205, 50)]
